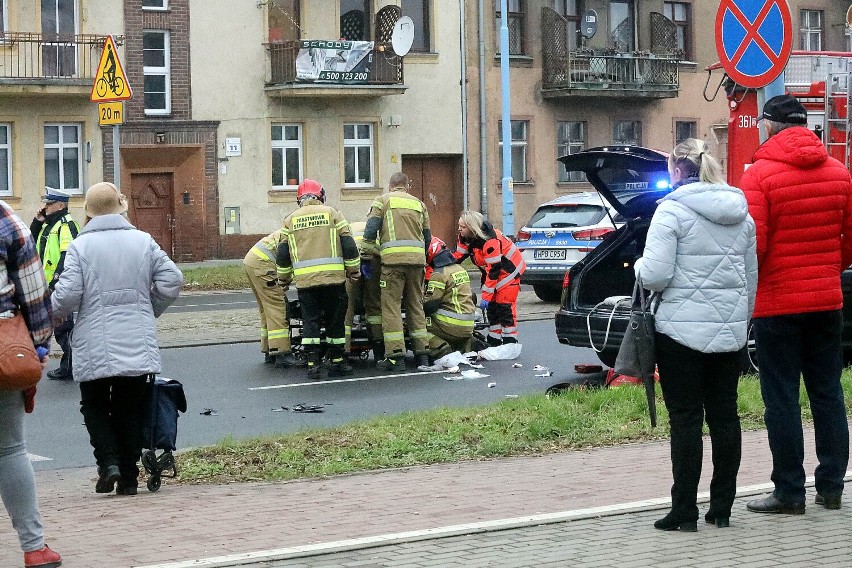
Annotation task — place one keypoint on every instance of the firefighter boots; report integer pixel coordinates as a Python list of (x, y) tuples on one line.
[(393, 362), (288, 361), (423, 360), (313, 364), (340, 369)]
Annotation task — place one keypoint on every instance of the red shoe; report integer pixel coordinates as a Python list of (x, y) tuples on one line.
[(44, 558)]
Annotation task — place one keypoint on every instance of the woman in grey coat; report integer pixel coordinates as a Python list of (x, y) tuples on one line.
[(701, 255), (118, 281)]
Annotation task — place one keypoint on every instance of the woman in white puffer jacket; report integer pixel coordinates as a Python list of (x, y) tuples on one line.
[(701, 255)]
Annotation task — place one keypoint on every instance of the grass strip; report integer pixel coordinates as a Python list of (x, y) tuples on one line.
[(225, 277), (527, 425)]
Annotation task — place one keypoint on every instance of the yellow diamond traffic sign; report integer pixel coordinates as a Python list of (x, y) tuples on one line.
[(110, 81)]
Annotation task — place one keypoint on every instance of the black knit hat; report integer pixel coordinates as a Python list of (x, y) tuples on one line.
[(786, 109)]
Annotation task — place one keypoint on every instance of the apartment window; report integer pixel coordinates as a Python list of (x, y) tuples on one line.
[(679, 13), (355, 20), (155, 66), (627, 133), (848, 36), (810, 29), (4, 17), (283, 19), (570, 139), (58, 18), (685, 129), (62, 151), (621, 25), (519, 130), (515, 22), (5, 159), (286, 156), (570, 10), (155, 4), (418, 11), (358, 155)]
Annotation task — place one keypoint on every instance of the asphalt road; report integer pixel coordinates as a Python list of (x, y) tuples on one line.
[(243, 394), (208, 302)]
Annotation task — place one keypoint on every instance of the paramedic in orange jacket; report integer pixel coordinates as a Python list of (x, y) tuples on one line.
[(501, 265)]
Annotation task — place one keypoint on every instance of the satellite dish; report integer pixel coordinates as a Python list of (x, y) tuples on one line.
[(589, 24), (403, 36), (849, 17)]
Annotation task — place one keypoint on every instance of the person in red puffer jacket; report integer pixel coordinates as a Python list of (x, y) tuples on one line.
[(801, 201)]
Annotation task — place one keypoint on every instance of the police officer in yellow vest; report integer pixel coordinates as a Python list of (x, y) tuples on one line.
[(448, 303), (54, 229), (317, 253), (262, 273), (398, 230)]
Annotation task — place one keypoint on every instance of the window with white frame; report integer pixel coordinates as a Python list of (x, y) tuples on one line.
[(358, 155), (627, 133), (570, 139), (155, 61), (5, 159), (810, 30), (62, 153), (286, 156), (519, 130), (155, 4)]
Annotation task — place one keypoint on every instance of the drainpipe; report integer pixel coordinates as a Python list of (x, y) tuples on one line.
[(463, 49), (483, 200)]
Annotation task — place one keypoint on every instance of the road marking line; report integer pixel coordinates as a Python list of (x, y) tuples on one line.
[(353, 380), (37, 458), (252, 558), (215, 304)]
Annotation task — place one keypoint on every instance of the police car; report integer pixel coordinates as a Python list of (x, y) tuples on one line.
[(559, 234)]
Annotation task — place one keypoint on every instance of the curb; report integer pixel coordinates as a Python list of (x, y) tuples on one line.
[(322, 549)]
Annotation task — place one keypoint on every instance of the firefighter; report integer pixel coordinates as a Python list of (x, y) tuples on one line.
[(365, 293), (398, 231), (501, 265), (448, 303), (318, 254), (259, 264), (53, 229)]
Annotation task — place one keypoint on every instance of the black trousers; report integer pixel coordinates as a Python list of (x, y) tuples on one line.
[(698, 386), (113, 410), (324, 306), (62, 334)]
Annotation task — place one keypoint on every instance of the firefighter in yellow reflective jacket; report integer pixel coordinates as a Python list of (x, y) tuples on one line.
[(398, 231), (448, 303), (259, 264), (53, 229), (365, 295), (318, 254)]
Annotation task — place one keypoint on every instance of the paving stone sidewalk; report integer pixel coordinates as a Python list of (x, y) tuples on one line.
[(184, 522)]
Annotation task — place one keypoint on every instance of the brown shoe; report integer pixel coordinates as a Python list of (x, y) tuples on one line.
[(42, 558)]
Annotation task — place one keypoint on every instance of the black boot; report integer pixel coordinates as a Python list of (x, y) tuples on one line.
[(340, 368), (423, 360), (269, 358), (378, 351), (314, 371), (671, 522), (288, 361)]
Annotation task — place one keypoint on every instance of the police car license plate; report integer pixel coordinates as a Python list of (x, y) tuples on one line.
[(549, 254)]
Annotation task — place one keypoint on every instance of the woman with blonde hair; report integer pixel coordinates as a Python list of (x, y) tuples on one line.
[(701, 257), (501, 265)]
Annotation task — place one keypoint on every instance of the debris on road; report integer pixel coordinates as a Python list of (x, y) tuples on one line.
[(492, 385), (545, 374), (309, 408), (516, 365), (540, 368), (501, 352), (208, 412)]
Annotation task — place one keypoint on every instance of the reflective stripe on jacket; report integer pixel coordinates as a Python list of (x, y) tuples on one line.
[(498, 258), (53, 243), (266, 248), (451, 286), (404, 218), (313, 233)]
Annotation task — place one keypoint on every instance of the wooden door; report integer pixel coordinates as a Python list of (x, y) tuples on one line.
[(152, 207), (437, 182)]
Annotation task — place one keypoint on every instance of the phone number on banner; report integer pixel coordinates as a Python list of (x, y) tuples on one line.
[(343, 76)]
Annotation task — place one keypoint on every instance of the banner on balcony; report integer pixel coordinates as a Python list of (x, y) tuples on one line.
[(334, 61)]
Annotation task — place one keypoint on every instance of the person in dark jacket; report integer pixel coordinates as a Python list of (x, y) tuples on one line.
[(801, 201), (700, 254), (118, 280)]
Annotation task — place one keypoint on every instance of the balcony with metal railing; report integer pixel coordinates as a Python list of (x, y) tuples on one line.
[(383, 77), (570, 70), (36, 63)]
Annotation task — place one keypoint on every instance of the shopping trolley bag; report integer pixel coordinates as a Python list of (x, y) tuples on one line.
[(165, 399)]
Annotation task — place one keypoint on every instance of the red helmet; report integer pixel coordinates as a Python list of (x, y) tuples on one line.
[(436, 245), (310, 187)]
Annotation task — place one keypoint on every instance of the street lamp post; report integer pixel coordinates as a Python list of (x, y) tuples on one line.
[(507, 184)]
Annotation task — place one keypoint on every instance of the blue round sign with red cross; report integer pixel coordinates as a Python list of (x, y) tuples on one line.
[(754, 39)]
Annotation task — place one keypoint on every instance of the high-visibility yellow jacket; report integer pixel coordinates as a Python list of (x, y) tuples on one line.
[(317, 248), (266, 248), (52, 243), (398, 229), (448, 297)]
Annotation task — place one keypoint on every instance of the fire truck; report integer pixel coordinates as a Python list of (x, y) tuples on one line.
[(820, 80)]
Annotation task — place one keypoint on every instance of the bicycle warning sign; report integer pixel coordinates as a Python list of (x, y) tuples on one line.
[(110, 81)]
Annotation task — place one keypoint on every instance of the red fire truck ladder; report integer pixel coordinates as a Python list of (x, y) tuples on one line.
[(838, 102)]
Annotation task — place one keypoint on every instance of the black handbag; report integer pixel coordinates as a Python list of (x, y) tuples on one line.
[(636, 355)]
